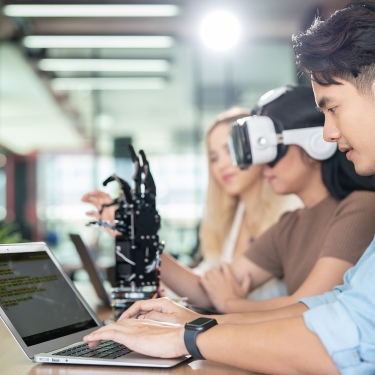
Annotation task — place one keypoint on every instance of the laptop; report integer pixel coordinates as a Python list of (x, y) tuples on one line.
[(91, 268), (48, 317)]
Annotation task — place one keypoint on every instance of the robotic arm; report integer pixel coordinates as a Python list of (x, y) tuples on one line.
[(138, 248)]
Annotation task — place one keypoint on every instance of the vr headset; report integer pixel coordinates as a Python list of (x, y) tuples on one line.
[(263, 140)]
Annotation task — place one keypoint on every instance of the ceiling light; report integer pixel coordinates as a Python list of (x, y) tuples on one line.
[(107, 10), (88, 84), (220, 31), (75, 41), (103, 65)]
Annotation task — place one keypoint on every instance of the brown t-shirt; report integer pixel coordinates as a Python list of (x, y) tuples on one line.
[(332, 228)]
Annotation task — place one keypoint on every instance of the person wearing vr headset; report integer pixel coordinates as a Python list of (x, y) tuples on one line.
[(332, 333), (240, 206), (306, 247)]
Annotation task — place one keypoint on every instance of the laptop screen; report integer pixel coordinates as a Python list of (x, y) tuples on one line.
[(38, 301)]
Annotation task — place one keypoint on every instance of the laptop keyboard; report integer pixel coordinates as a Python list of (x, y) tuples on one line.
[(105, 350)]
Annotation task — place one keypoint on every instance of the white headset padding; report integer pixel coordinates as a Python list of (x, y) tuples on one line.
[(263, 140), (312, 141)]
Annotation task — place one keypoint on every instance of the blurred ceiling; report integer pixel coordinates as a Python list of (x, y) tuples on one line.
[(277, 19), (33, 116), (30, 119)]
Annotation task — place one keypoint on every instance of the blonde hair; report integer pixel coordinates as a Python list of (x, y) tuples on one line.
[(220, 207)]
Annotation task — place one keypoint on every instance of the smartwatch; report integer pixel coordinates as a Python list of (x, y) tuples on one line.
[(191, 331)]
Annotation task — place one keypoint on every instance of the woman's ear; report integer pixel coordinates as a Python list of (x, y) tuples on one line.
[(308, 160), (315, 164)]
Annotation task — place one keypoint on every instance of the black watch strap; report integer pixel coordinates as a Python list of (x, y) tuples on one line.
[(190, 337)]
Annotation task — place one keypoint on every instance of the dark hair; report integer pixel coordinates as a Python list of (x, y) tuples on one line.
[(341, 47), (296, 109)]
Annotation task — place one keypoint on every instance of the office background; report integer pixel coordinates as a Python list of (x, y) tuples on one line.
[(77, 85)]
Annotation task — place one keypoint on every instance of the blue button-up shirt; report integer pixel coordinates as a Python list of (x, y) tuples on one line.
[(344, 319)]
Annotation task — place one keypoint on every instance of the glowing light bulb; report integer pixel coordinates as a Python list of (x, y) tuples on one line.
[(220, 30)]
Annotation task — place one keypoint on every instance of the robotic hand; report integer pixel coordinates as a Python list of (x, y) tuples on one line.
[(138, 248)]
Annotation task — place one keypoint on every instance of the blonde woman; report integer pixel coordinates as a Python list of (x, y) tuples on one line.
[(240, 206)]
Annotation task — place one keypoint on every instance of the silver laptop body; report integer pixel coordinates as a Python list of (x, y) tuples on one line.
[(46, 315)]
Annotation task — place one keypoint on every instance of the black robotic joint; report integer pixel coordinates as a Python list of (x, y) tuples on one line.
[(138, 248)]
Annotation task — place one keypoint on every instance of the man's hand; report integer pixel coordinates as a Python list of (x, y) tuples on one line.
[(221, 286), (164, 340), (161, 309), (98, 199)]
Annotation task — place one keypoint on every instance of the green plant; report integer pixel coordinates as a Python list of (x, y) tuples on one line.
[(9, 234)]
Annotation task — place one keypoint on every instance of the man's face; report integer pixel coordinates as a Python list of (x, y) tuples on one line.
[(349, 121)]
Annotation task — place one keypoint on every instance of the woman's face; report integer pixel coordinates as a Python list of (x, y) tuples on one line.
[(234, 181), (293, 173)]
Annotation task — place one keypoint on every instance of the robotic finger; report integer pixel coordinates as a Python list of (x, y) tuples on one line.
[(125, 187), (138, 249), (148, 180)]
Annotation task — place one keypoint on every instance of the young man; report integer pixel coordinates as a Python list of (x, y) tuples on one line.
[(330, 334)]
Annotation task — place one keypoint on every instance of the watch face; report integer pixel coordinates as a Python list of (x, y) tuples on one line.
[(200, 322)]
